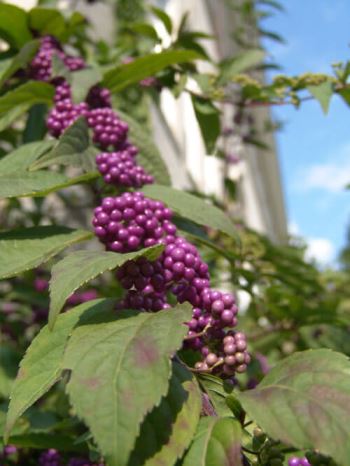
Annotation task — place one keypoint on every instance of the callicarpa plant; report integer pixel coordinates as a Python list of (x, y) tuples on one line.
[(133, 350)]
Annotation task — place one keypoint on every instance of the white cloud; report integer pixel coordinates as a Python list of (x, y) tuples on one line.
[(331, 176), (293, 229), (320, 249), (328, 176)]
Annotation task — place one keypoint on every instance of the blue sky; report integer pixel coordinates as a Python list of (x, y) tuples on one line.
[(314, 149)]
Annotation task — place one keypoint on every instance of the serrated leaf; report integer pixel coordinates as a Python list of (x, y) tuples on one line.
[(30, 93), (40, 183), (80, 267), (35, 129), (323, 93), (111, 365), (20, 60), (240, 63), (192, 208), (13, 25), (73, 148), (168, 429), (7, 118), (215, 389), (164, 18), (149, 156), (83, 80), (20, 159), (43, 441), (26, 248), (9, 359), (41, 366), (29, 184), (208, 117), (217, 442), (16, 102), (304, 401), (47, 21), (145, 29), (123, 76)]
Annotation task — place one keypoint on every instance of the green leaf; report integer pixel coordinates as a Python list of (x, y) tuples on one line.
[(217, 392), (218, 441), (35, 129), (39, 184), (83, 80), (79, 267), (30, 93), (41, 366), (20, 159), (29, 184), (47, 21), (168, 429), (20, 60), (123, 76), (241, 63), (323, 93), (271, 35), (304, 401), (45, 441), (13, 25), (273, 4), (208, 117), (149, 156), (26, 248), (164, 18), (111, 365), (192, 208), (6, 119), (9, 360), (145, 29), (59, 69), (16, 102), (73, 148)]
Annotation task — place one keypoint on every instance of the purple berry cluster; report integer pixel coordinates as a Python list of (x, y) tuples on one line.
[(99, 97), (109, 131), (132, 221), (231, 355), (120, 168), (295, 461), (108, 128), (65, 111), (41, 66), (50, 457)]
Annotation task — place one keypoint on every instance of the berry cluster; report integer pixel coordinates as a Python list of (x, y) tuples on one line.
[(99, 97), (295, 461), (120, 168), (231, 355), (108, 128), (131, 221), (50, 457), (41, 66), (65, 111), (109, 131)]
